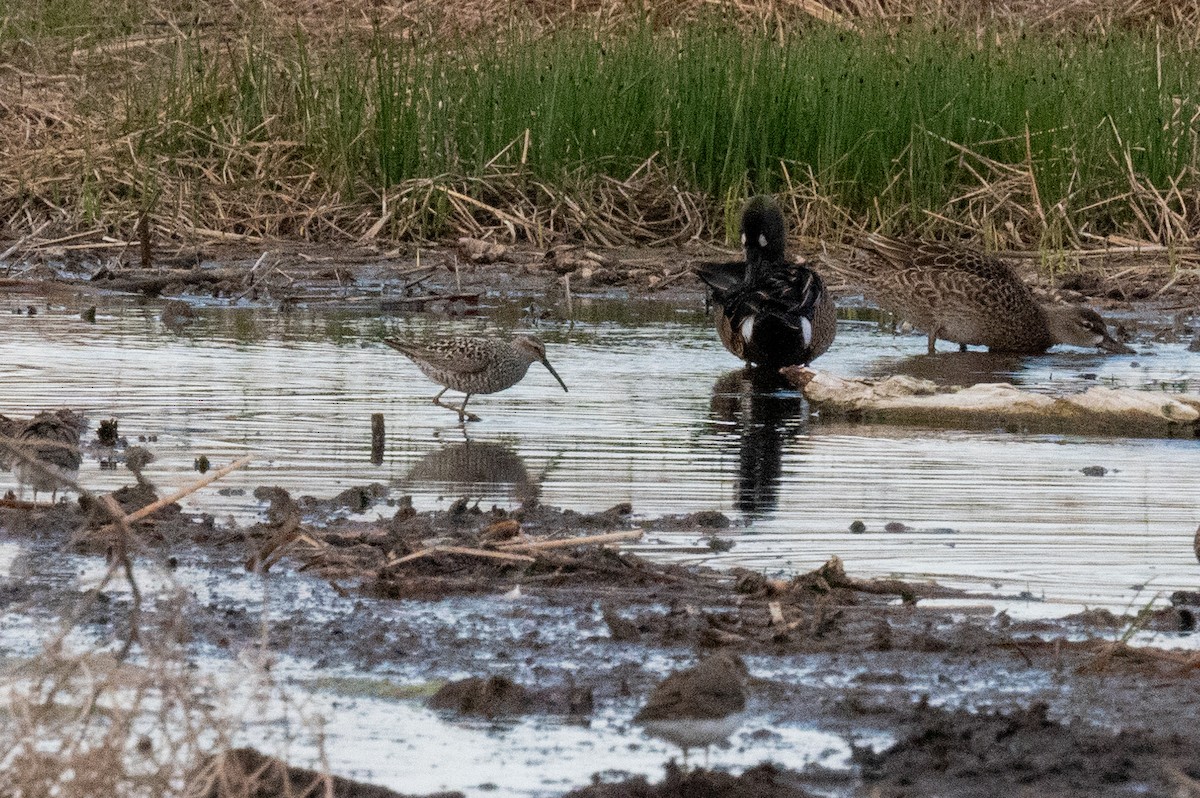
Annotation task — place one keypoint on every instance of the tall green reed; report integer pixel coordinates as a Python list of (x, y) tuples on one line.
[(887, 121)]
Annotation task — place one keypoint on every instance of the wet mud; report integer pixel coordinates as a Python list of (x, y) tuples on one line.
[(455, 278), (247, 773), (763, 781), (976, 703), (552, 618), (999, 754)]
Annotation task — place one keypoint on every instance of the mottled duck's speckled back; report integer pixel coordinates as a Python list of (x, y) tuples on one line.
[(968, 297)]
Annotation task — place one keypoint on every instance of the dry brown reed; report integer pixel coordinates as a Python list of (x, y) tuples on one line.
[(69, 182)]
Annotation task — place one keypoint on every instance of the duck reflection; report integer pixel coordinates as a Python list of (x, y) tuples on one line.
[(764, 412), (956, 368), (478, 467)]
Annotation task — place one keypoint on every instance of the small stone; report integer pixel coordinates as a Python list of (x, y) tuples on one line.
[(1093, 471), (481, 251), (857, 527), (500, 530), (895, 527)]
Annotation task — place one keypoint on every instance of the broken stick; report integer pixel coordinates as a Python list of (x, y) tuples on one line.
[(562, 543)]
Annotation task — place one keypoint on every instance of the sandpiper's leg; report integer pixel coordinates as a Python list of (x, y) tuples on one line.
[(462, 411), (932, 339), (962, 347), (437, 400)]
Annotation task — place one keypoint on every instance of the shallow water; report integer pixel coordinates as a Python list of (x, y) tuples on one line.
[(658, 415)]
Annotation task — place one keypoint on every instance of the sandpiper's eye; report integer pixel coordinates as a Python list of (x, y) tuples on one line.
[(762, 239)]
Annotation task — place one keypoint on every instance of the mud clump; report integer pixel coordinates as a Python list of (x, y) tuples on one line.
[(762, 781), (704, 519), (499, 696), (959, 754), (487, 697)]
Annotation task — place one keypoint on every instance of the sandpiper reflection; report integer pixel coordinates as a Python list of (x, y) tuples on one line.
[(477, 468), (765, 412)]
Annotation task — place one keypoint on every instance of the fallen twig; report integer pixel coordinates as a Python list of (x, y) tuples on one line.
[(154, 507), (589, 540), (485, 553)]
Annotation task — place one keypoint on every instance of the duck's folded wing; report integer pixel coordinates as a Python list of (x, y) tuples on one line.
[(721, 277), (792, 296)]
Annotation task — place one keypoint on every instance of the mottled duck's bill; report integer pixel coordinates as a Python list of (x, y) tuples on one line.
[(1116, 347), (550, 368)]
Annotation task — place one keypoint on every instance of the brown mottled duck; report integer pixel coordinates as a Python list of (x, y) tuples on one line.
[(969, 298)]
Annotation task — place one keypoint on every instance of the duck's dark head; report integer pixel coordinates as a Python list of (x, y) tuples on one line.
[(762, 231), (1080, 326)]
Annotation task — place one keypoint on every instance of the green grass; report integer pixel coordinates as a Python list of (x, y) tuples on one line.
[(38, 22), (880, 121)]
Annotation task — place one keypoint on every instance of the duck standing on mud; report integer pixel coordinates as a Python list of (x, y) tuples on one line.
[(970, 298), (770, 312)]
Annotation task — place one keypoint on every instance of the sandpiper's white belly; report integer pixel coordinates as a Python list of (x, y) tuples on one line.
[(694, 732)]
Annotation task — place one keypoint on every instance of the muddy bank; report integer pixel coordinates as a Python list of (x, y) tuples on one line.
[(457, 277), (999, 754)]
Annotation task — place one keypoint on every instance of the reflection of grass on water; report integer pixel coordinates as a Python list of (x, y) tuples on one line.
[(632, 133)]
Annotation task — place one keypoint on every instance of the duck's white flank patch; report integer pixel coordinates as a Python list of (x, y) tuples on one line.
[(806, 328), (747, 328)]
